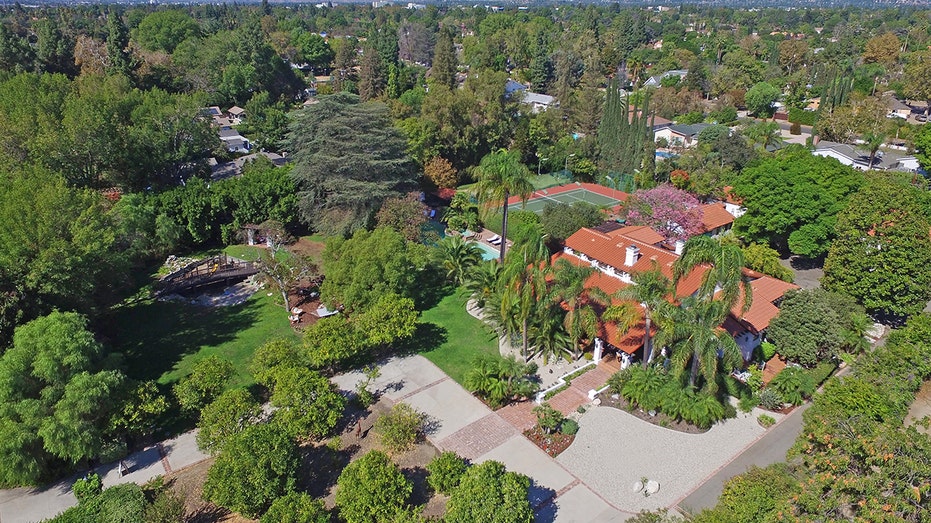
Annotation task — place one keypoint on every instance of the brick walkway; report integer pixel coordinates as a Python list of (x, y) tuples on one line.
[(593, 379), (474, 440), (520, 415)]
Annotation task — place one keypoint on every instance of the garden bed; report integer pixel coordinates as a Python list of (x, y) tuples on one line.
[(553, 444), (610, 399)]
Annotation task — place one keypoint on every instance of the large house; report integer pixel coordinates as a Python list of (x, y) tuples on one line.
[(680, 135), (617, 253), (538, 102), (657, 80), (860, 159)]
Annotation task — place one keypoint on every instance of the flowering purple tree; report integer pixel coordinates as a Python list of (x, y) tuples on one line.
[(672, 212)]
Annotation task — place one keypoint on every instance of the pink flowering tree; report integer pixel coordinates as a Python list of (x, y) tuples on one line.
[(672, 212)]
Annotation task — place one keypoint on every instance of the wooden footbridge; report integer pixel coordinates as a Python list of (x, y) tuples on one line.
[(217, 269)]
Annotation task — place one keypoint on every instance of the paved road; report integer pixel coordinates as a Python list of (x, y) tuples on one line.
[(770, 448), (29, 505)]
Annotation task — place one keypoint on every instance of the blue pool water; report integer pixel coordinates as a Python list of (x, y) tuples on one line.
[(487, 252)]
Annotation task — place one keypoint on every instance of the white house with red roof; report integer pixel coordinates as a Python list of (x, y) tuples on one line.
[(617, 253)]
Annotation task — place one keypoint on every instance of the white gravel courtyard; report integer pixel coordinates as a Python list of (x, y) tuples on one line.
[(613, 450)]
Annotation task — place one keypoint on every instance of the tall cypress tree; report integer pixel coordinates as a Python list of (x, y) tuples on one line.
[(117, 44), (444, 67), (625, 134)]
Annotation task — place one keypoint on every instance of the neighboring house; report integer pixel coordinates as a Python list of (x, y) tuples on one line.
[(235, 143), (219, 171), (538, 102), (860, 159), (897, 109), (236, 114), (748, 328), (657, 81), (716, 219), (511, 87), (680, 135), (732, 204), (617, 253)]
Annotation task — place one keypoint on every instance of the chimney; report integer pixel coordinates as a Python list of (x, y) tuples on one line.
[(633, 254), (680, 246)]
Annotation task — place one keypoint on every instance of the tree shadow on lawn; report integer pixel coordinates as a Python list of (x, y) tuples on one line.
[(155, 335), (427, 337)]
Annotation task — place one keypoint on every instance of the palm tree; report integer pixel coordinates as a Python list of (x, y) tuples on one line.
[(482, 281), (501, 175), (725, 274), (650, 290), (524, 277), (548, 337), (524, 288), (763, 134), (694, 336), (581, 320), (458, 256), (873, 141)]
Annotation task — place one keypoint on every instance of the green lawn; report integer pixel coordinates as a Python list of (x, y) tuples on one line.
[(162, 340), (457, 338)]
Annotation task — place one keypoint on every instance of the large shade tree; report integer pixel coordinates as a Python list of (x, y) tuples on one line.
[(55, 399), (792, 199), (348, 158), (882, 254), (501, 175)]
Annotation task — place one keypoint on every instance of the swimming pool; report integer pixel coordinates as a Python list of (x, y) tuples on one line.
[(488, 253)]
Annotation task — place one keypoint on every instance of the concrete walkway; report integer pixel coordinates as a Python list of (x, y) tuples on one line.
[(463, 424), (31, 505)]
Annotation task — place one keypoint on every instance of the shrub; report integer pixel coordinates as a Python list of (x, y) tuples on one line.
[(88, 487), (793, 384), (795, 129), (802, 116), (446, 470), (372, 488), (770, 399), (400, 428), (704, 411), (747, 402), (766, 421), (768, 350), (548, 418), (643, 387), (296, 507), (821, 372), (499, 380), (569, 427), (618, 379), (121, 504)]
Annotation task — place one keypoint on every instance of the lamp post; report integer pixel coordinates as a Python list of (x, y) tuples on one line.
[(539, 161), (567, 161)]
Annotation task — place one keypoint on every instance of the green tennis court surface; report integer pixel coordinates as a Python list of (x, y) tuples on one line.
[(541, 198)]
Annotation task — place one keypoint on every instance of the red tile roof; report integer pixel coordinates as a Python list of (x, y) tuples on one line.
[(611, 249), (765, 290), (629, 341), (641, 233), (714, 215)]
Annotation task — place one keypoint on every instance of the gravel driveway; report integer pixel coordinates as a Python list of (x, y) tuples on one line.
[(613, 450)]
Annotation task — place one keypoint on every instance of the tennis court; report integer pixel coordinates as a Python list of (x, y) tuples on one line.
[(597, 195)]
